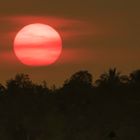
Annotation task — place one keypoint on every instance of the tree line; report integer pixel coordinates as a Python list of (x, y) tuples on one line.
[(80, 109), (109, 80)]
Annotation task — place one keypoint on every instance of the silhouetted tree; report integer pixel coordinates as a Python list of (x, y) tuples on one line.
[(80, 78), (109, 79), (40, 89), (20, 83)]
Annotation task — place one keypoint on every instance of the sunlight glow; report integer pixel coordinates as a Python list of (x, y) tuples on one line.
[(37, 45)]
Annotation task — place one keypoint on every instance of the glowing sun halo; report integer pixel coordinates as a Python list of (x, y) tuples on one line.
[(37, 45)]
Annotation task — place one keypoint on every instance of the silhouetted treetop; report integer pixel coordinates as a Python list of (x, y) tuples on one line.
[(110, 78), (19, 82), (78, 81), (80, 78)]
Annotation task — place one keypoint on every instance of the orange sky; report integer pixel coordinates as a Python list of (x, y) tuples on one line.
[(96, 35)]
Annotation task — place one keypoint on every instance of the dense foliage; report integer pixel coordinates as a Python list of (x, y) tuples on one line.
[(82, 109)]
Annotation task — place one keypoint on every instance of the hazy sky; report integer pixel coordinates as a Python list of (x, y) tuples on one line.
[(96, 34)]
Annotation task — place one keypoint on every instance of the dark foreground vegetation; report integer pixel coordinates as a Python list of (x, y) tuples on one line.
[(82, 109)]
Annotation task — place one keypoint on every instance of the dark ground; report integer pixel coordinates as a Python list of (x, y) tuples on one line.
[(108, 109)]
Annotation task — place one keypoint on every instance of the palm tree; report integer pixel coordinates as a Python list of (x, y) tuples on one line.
[(111, 78)]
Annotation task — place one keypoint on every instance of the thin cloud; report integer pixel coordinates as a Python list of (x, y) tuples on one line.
[(69, 29), (66, 27)]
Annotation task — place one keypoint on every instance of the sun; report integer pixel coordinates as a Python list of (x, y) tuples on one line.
[(37, 45)]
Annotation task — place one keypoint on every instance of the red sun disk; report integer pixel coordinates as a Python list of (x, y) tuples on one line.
[(37, 45)]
